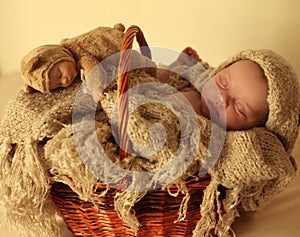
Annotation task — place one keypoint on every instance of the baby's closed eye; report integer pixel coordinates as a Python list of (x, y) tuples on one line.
[(239, 108), (223, 82)]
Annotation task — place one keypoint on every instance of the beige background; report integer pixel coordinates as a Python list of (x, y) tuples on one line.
[(216, 28)]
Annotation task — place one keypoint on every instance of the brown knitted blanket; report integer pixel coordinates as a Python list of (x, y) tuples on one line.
[(40, 146)]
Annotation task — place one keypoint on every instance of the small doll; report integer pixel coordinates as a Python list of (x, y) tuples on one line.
[(48, 67)]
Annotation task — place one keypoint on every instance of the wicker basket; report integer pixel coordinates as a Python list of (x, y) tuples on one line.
[(156, 212)]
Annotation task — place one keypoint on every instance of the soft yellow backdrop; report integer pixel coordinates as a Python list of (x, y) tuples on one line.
[(216, 28)]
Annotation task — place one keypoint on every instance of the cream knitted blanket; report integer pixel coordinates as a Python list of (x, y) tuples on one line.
[(40, 146)]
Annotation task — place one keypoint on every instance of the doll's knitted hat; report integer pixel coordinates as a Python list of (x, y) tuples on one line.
[(37, 63), (283, 93)]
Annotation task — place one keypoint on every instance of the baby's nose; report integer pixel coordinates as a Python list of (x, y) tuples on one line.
[(68, 78), (65, 81), (225, 101)]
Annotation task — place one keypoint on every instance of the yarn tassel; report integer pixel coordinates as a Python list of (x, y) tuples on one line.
[(181, 188), (208, 220), (124, 202), (24, 191), (227, 216), (217, 216)]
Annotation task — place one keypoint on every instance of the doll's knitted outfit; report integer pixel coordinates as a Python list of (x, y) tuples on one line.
[(87, 50)]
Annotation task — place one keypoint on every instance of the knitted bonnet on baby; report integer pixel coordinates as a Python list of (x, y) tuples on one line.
[(283, 93), (37, 63)]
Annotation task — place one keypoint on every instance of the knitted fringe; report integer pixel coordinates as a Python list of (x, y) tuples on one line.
[(217, 216), (124, 202), (184, 203), (24, 191)]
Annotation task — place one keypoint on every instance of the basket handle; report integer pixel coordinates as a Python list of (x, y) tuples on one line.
[(123, 74)]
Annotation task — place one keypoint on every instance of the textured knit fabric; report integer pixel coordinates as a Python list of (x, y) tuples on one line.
[(39, 146)]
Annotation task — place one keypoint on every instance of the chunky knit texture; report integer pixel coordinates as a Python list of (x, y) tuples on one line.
[(253, 165), (38, 147)]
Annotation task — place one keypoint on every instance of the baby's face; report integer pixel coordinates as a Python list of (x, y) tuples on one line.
[(62, 74), (242, 99)]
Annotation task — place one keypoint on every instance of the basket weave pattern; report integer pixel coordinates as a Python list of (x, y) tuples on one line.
[(156, 212)]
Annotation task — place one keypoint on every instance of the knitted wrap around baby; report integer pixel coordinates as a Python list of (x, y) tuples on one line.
[(42, 175)]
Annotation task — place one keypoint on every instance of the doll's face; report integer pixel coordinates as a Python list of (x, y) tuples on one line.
[(62, 74), (242, 96)]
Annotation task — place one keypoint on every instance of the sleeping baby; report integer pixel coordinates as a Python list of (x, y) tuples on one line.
[(244, 94), (236, 97), (254, 88)]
